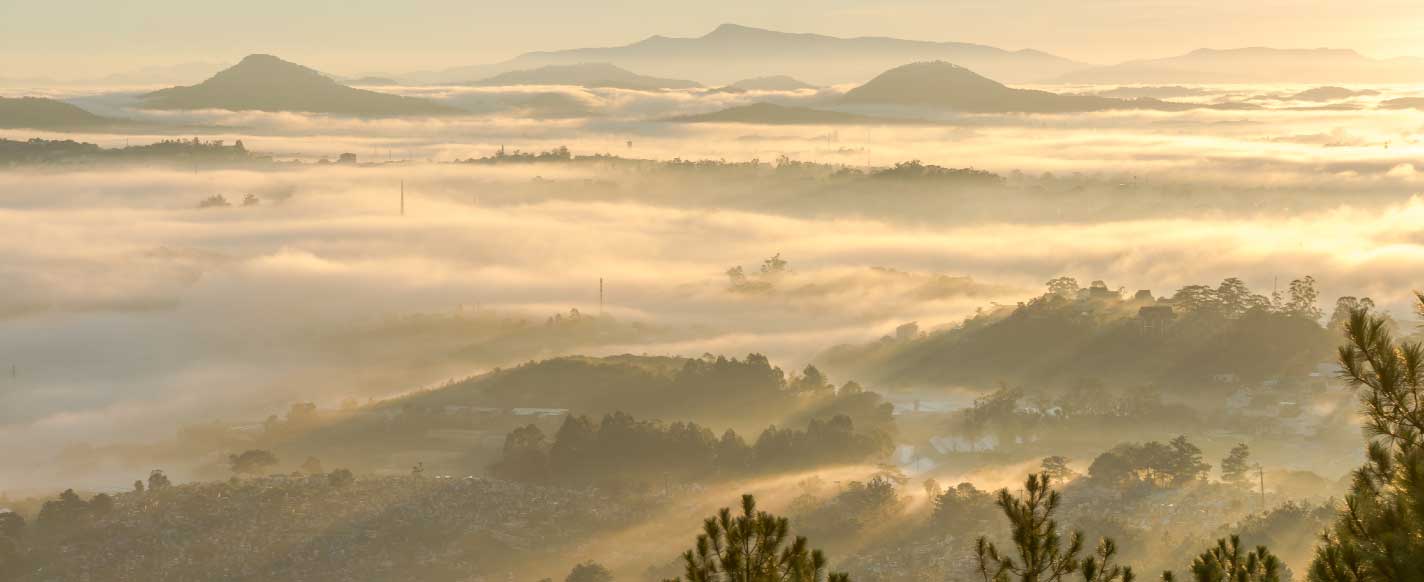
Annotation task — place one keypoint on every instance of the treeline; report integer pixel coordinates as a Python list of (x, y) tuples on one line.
[(911, 170), (42, 151), (915, 170), (621, 449), (1014, 416)]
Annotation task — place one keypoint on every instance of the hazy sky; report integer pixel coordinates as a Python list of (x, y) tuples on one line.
[(77, 38)]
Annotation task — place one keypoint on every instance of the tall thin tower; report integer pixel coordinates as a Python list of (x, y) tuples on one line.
[(600, 296), (1261, 473)]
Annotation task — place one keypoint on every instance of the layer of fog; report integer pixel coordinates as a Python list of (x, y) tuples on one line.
[(1345, 143), (129, 311)]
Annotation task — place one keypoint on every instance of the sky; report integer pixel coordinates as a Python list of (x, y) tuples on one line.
[(91, 38)]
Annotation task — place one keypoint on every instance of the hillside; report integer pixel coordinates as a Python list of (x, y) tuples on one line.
[(732, 52), (267, 83), (47, 114), (747, 393), (770, 83), (1257, 65), (599, 75), (459, 427), (1100, 335), (320, 528)]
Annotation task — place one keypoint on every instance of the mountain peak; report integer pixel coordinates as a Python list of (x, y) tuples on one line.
[(927, 83), (939, 70), (261, 59), (946, 86), (265, 64), (733, 30), (263, 82)]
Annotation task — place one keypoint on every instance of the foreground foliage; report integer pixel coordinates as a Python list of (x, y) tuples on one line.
[(1040, 553), (752, 547), (1379, 535)]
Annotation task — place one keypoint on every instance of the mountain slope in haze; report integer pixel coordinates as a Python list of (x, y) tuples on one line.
[(267, 83), (946, 86), (773, 114), (39, 113), (771, 83), (1257, 65), (599, 75), (161, 75), (1322, 94), (733, 52)]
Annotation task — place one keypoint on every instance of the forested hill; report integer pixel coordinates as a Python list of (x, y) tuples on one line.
[(461, 426), (742, 393), (1196, 336)]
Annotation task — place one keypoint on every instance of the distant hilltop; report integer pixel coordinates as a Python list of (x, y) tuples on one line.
[(267, 83), (943, 85), (950, 87)]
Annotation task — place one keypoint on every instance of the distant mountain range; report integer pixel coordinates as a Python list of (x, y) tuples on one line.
[(48, 114), (604, 75), (267, 83), (163, 74), (1257, 65), (733, 52), (157, 75)]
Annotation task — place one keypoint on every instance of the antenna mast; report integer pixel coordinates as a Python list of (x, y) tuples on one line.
[(1261, 474), (600, 296)]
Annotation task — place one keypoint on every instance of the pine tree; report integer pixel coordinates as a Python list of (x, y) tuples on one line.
[(1226, 563), (752, 547), (1236, 463), (1040, 554), (1099, 567), (1379, 534)]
